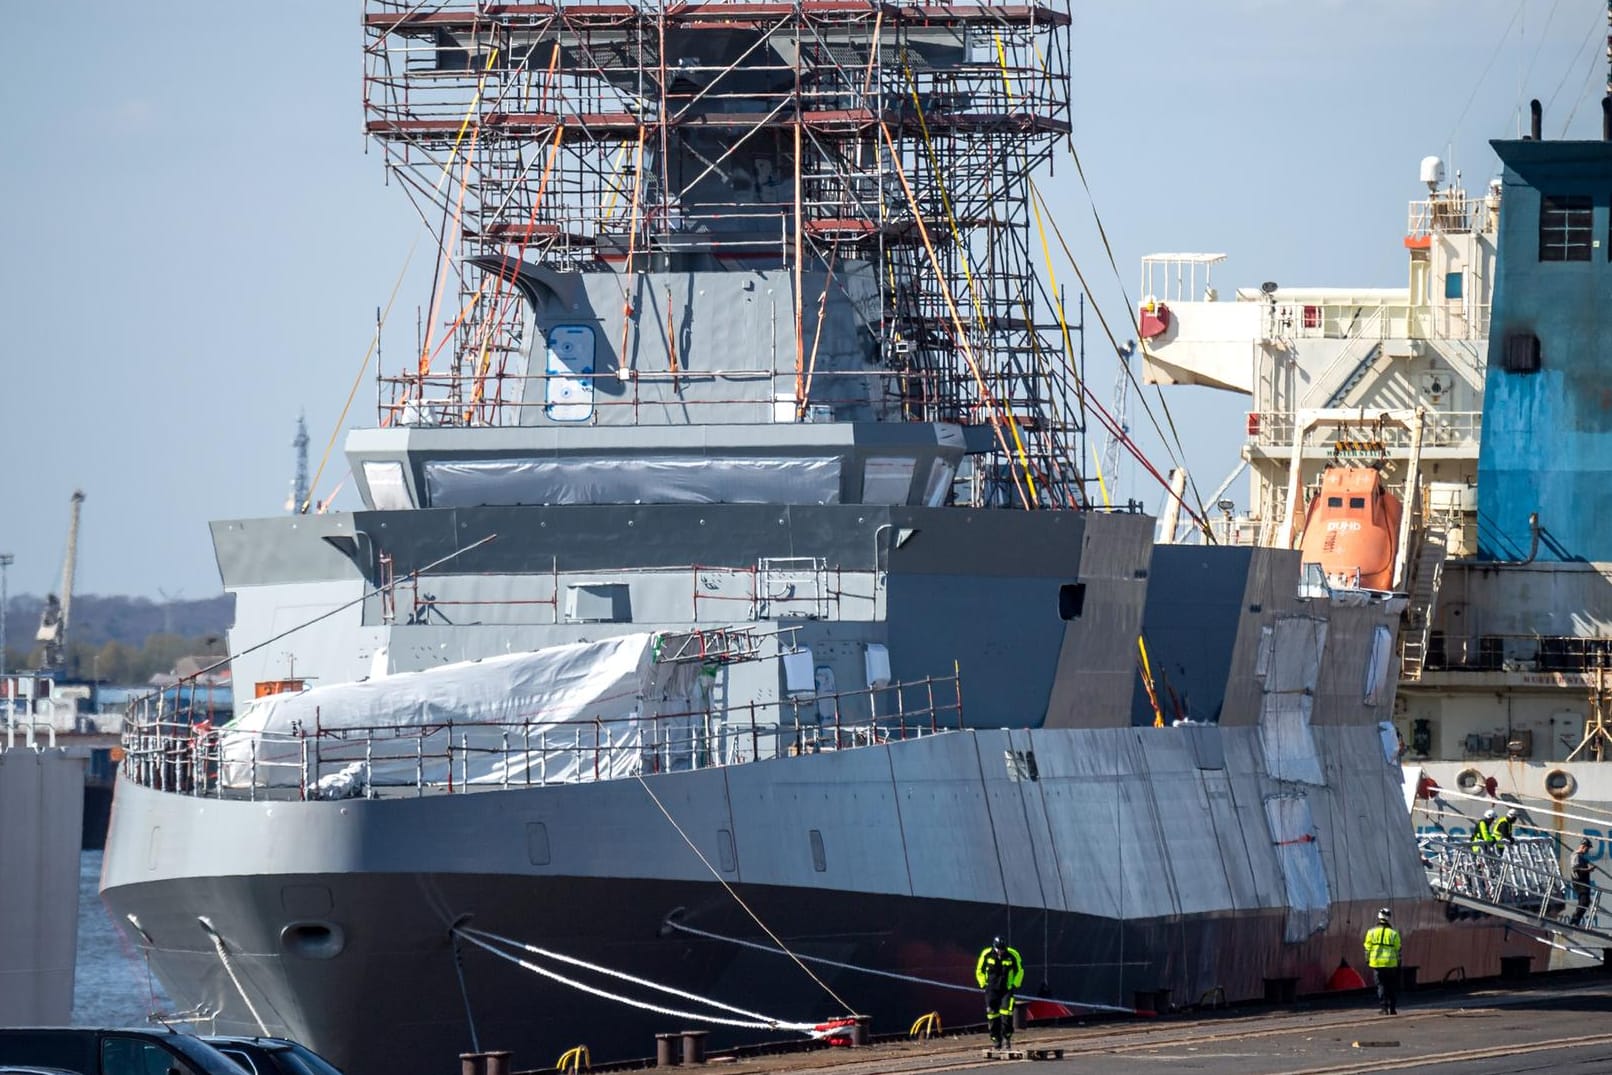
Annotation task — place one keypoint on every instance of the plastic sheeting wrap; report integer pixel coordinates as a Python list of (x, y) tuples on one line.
[(1289, 662), (469, 483), (576, 706), (1379, 665), (1308, 898)]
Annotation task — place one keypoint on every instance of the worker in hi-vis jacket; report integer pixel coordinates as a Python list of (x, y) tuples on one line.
[(999, 972), (1382, 954)]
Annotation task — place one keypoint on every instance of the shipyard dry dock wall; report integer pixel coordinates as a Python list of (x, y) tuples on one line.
[(41, 815)]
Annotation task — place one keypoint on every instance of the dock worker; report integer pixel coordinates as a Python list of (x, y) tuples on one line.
[(1382, 956), (1484, 836), (1502, 828), (1581, 880), (999, 972)]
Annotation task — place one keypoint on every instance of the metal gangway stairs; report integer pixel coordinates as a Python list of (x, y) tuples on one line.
[(1521, 882)]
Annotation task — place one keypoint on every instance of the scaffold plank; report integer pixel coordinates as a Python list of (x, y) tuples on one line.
[(518, 16)]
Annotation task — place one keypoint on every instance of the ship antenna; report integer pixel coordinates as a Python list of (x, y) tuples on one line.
[(298, 503)]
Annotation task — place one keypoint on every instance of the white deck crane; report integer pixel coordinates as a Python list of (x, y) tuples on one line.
[(54, 619)]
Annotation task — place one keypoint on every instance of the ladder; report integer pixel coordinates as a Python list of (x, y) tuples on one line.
[(1424, 586)]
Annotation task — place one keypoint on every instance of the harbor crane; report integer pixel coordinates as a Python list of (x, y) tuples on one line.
[(54, 619)]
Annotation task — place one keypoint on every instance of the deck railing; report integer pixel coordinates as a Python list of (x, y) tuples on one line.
[(173, 749)]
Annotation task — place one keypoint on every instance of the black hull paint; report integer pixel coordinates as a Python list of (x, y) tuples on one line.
[(402, 935)]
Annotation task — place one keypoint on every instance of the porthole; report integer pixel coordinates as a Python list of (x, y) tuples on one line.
[(1560, 784), (313, 940), (1469, 781)]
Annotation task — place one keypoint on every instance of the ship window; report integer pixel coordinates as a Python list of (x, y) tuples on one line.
[(1520, 353), (1334, 501), (1564, 228), (887, 480), (1452, 285), (1357, 502)]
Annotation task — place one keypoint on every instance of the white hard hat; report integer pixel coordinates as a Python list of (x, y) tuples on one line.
[(1488, 815)]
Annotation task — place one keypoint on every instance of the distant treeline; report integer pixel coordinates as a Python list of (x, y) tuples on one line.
[(122, 639)]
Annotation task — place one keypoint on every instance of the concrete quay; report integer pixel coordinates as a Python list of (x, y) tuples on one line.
[(1557, 1023)]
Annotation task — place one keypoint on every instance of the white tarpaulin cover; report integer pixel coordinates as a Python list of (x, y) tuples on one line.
[(467, 483), (578, 707), (1308, 898)]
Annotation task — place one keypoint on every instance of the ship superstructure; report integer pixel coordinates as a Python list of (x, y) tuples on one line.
[(1503, 651), (721, 590)]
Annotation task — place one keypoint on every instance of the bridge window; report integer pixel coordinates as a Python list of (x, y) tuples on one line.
[(1357, 502), (1334, 501), (1564, 228), (1452, 285)]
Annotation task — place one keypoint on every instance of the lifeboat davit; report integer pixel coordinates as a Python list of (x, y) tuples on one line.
[(1352, 529)]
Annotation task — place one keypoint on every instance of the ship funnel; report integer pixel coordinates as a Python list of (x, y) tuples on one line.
[(1606, 118), (1536, 119)]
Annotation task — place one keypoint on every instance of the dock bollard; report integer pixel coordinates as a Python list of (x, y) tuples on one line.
[(665, 1050), (860, 1030), (1021, 1017), (472, 1064), (694, 1046), (498, 1062)]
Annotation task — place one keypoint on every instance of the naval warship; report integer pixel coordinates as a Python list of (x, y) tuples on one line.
[(726, 637)]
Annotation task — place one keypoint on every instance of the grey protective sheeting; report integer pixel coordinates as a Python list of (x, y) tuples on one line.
[(1308, 898), (471, 483), (1289, 662)]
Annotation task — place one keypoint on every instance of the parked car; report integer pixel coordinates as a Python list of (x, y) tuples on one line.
[(271, 1056), (90, 1051)]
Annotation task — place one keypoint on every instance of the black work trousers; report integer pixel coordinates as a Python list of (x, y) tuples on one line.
[(999, 1012), (1388, 989)]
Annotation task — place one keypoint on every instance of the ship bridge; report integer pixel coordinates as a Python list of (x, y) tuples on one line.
[(1521, 882)]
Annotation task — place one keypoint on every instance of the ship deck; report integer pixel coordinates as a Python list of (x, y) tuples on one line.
[(1556, 1022)]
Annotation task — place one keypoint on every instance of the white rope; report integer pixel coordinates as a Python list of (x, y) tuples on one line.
[(1444, 792), (645, 982), (755, 1022), (223, 957), (758, 946), (740, 899)]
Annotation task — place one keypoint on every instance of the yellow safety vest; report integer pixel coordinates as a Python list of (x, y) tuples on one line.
[(1382, 947)]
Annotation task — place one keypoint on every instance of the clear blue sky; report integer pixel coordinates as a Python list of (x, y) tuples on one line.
[(197, 237)]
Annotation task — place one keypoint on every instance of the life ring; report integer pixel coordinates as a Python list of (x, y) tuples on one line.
[(1560, 784)]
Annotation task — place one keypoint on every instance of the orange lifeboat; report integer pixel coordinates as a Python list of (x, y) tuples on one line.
[(1352, 529)]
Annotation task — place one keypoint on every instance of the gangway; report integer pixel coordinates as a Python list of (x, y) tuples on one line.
[(1519, 881)]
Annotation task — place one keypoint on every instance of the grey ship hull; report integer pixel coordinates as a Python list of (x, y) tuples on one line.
[(1138, 860)]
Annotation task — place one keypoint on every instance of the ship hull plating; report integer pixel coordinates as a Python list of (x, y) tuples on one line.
[(335, 918)]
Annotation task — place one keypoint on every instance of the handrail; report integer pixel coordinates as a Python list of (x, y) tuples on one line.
[(167, 749)]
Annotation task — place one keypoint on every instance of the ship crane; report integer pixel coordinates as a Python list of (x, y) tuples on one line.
[(54, 619)]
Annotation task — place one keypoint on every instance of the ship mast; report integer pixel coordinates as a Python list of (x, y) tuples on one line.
[(883, 152)]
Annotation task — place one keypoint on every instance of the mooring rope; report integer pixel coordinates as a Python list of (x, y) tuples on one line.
[(755, 1021), (782, 948), (223, 957), (758, 946), (470, 1016)]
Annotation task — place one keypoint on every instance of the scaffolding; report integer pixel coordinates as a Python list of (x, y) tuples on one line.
[(813, 137)]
